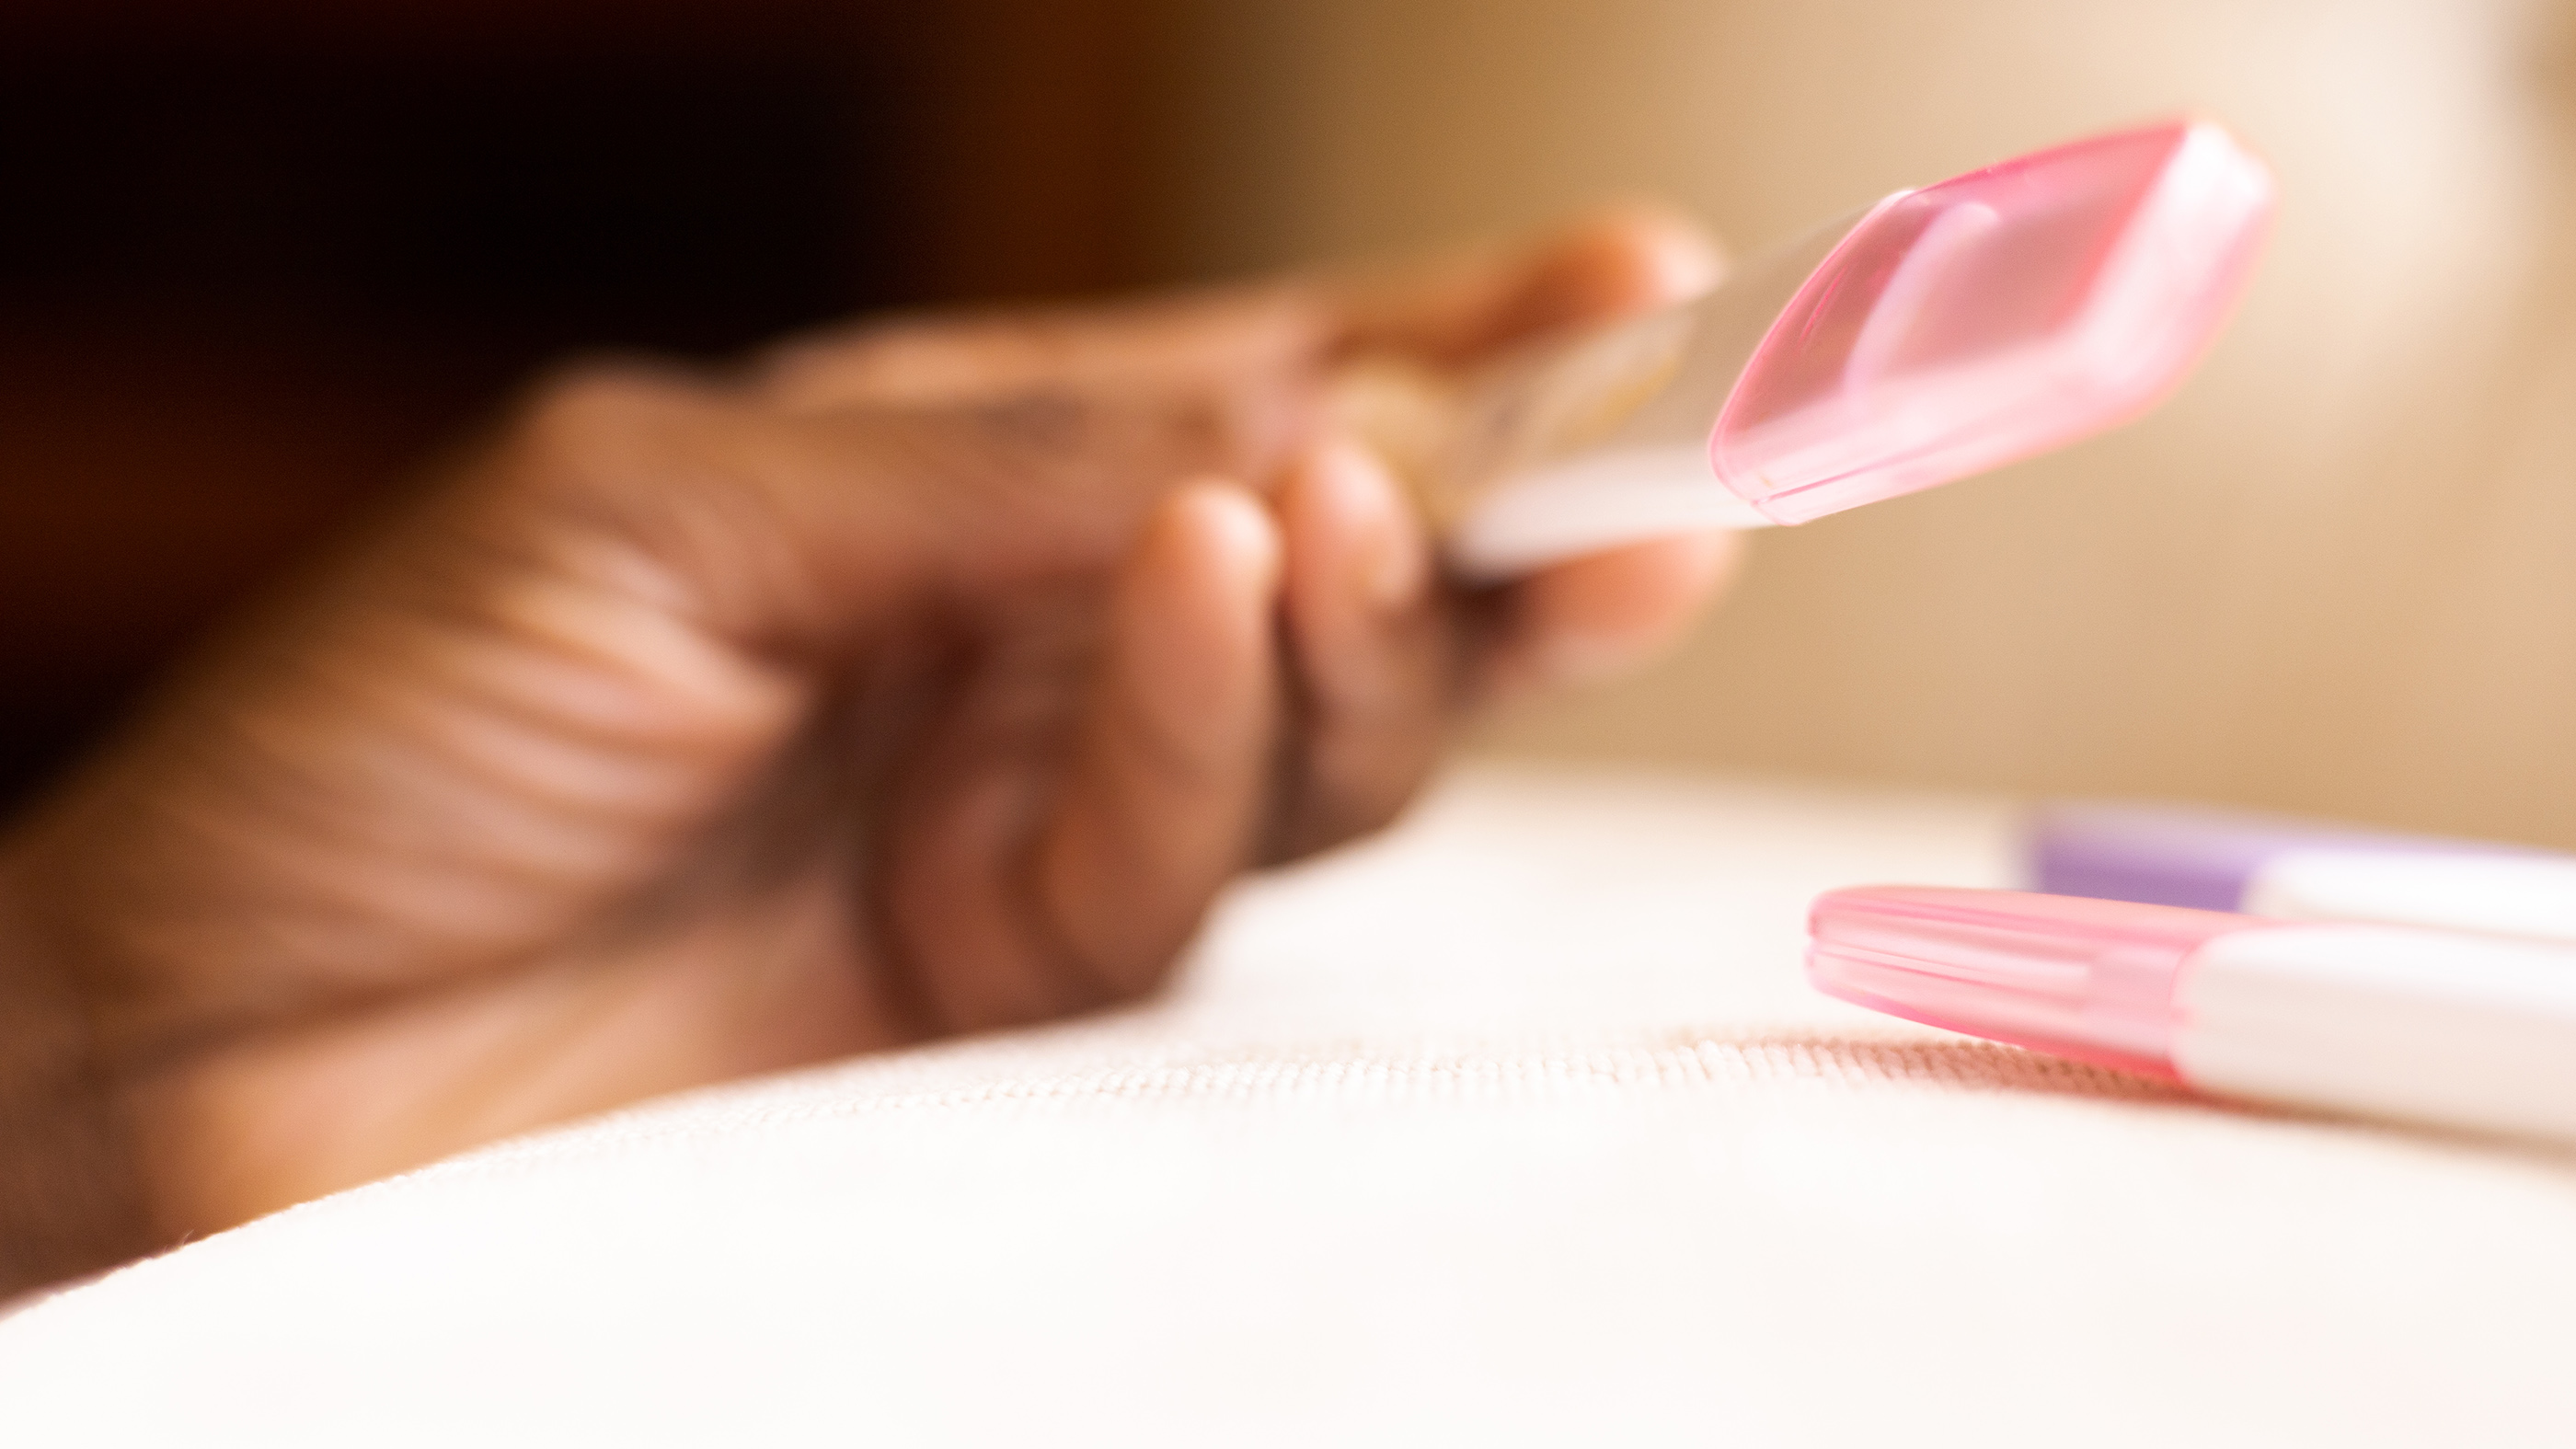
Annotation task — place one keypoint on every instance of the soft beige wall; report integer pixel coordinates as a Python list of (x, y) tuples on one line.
[(2338, 573)]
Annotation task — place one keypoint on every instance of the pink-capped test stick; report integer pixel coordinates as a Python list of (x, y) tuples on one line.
[(1940, 333), (2442, 1028)]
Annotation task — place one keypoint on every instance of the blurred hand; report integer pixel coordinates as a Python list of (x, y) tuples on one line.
[(927, 678)]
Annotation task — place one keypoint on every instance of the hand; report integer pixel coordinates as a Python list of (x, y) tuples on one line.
[(926, 678)]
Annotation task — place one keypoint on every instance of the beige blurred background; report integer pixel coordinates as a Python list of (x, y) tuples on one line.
[(306, 243), (2337, 574)]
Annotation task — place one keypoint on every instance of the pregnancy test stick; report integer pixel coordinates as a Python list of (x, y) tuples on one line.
[(1943, 332), (2432, 1027)]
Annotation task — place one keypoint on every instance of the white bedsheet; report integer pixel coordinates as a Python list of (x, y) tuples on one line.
[(1516, 1127)]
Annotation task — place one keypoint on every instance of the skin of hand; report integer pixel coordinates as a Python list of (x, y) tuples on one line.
[(928, 677)]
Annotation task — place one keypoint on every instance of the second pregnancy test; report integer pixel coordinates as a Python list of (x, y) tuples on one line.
[(2286, 868)]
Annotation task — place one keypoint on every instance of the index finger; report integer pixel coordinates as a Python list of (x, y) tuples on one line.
[(1444, 310), (1207, 339), (1615, 263)]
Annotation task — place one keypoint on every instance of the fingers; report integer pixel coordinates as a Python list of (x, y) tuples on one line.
[(1375, 661), (1593, 617), (1260, 336), (1033, 875), (1615, 264), (1173, 764), (1220, 337), (1385, 662)]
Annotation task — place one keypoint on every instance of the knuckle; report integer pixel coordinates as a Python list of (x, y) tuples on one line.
[(584, 401), (1373, 808), (1332, 802), (591, 419)]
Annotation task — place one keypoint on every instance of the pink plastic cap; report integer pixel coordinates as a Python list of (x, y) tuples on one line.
[(2081, 978), (1993, 316)]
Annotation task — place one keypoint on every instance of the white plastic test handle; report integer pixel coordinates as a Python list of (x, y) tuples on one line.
[(2419, 1026), (1589, 503)]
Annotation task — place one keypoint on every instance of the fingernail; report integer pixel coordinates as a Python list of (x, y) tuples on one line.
[(1686, 260), (1573, 660), (1251, 540), (1389, 559)]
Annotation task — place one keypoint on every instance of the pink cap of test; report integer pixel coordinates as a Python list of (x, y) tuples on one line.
[(2076, 977), (1993, 316)]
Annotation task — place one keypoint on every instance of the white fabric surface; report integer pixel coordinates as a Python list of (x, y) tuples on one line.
[(1517, 1127)]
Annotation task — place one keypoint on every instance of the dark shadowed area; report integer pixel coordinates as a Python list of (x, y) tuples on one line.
[(263, 257)]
